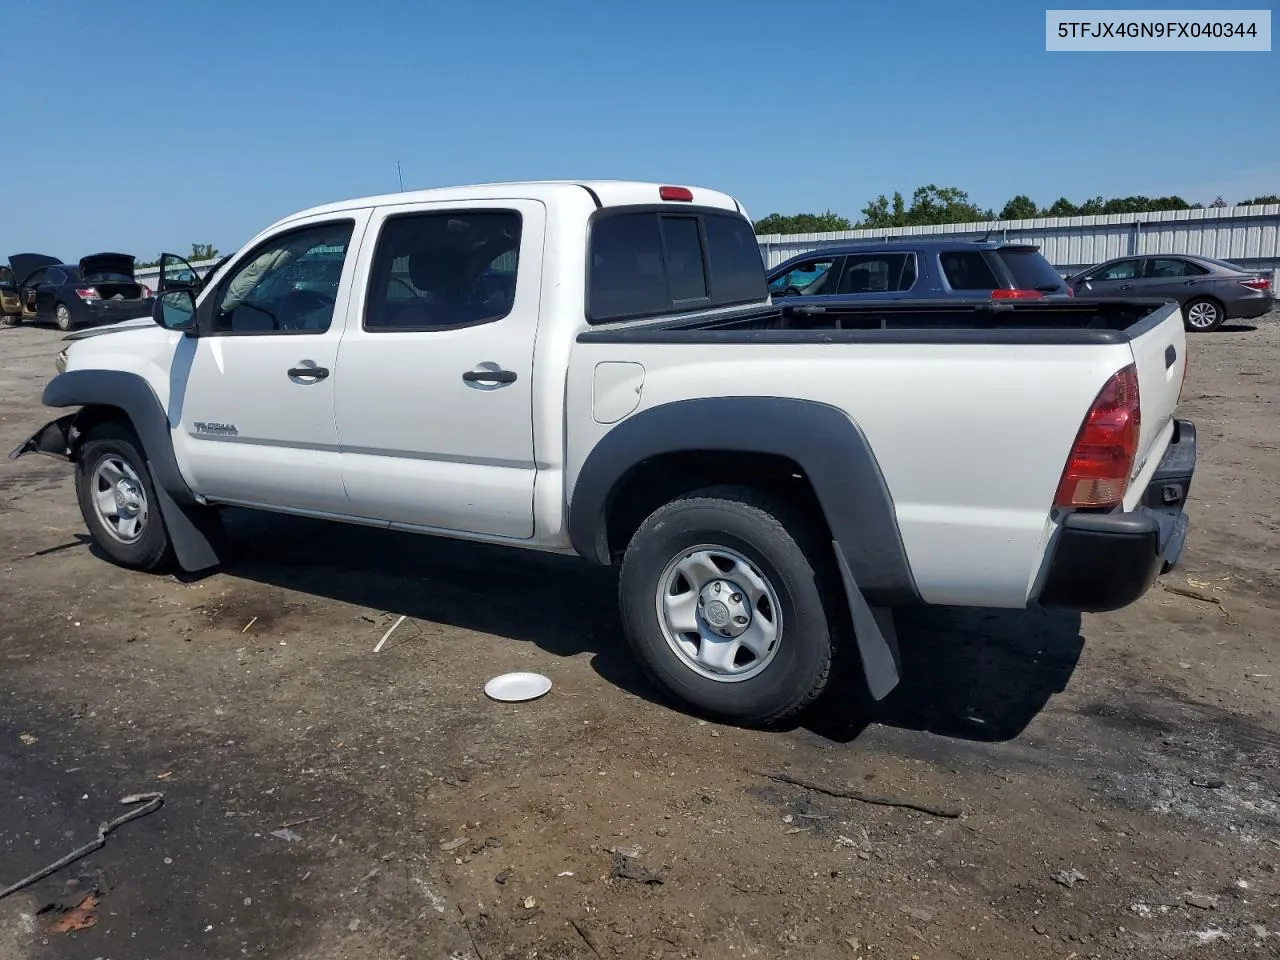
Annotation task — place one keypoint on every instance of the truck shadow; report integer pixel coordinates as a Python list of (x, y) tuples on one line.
[(974, 674)]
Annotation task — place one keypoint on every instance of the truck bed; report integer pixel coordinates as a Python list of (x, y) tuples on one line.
[(1077, 322)]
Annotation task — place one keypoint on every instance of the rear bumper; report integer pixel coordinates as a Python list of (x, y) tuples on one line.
[(1105, 561), (110, 311), (1250, 308)]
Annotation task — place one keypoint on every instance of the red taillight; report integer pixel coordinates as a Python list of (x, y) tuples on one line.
[(1097, 471), (1016, 295), (87, 293), (676, 193), (1256, 283), (1070, 292), (146, 291)]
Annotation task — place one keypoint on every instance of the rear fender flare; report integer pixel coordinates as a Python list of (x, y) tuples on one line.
[(833, 453)]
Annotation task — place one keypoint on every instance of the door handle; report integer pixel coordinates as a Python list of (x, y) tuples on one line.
[(489, 376), (310, 374), (1126, 286)]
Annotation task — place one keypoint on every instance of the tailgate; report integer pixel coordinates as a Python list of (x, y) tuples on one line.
[(1160, 353)]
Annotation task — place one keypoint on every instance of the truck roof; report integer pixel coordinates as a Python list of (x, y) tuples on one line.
[(603, 193)]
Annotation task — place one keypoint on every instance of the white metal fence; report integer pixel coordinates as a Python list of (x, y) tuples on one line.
[(1249, 236)]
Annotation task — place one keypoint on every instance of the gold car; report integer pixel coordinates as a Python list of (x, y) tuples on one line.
[(10, 303)]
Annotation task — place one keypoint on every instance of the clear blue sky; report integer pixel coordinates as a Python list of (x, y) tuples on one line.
[(149, 126)]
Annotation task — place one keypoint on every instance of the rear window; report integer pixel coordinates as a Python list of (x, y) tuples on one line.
[(1030, 270), (649, 263)]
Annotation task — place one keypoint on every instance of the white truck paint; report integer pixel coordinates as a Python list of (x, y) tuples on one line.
[(963, 426)]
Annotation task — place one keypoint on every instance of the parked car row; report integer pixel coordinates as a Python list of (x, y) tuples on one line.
[(100, 288), (1209, 292)]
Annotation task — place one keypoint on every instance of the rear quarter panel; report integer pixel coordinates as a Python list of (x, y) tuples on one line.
[(971, 439)]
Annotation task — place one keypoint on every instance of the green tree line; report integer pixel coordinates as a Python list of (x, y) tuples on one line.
[(932, 204), (199, 251)]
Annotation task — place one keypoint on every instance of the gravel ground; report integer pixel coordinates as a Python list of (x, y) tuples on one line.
[(1117, 776)]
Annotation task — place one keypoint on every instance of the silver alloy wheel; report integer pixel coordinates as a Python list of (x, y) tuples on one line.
[(119, 498), (719, 613), (63, 316), (1202, 315)]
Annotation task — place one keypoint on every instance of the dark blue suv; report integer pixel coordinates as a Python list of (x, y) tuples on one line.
[(918, 270)]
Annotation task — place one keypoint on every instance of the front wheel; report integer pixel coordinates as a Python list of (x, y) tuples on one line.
[(1203, 315), (118, 499), (62, 317), (721, 595)]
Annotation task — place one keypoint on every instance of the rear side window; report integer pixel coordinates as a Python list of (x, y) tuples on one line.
[(877, 273), (968, 270), (1164, 268), (1031, 271), (651, 263), (435, 271)]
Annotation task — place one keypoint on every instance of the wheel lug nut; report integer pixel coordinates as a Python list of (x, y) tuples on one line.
[(736, 598), (739, 619), (717, 588)]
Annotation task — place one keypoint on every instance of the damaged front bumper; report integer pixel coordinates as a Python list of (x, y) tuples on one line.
[(55, 439)]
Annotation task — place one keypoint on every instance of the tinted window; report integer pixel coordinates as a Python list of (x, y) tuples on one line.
[(1160, 268), (626, 267), (6, 279), (874, 273), (55, 276), (36, 276), (277, 288), (968, 270), (1120, 270), (650, 263), (682, 249), (1031, 271), (737, 268), (806, 279), (433, 271), (1227, 264)]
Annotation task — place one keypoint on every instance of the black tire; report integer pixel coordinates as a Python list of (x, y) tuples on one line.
[(150, 549), (62, 318), (1204, 306), (794, 558)]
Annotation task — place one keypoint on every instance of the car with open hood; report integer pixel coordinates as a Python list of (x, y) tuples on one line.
[(101, 288)]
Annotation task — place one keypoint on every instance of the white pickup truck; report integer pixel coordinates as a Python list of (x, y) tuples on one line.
[(597, 368)]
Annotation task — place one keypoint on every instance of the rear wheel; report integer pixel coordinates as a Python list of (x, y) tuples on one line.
[(1204, 315), (117, 498), (62, 317), (722, 600)]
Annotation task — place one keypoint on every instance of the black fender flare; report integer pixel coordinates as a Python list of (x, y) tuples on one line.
[(194, 531), (833, 453)]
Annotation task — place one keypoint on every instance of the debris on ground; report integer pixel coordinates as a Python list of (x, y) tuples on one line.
[(1202, 902), (448, 846), (150, 803), (63, 920), (1208, 783), (628, 868), (27, 739), (503, 876), (530, 903), (287, 835), (489, 844), (949, 813), (390, 630), (1069, 878)]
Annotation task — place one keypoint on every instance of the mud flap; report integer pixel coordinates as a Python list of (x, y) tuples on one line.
[(199, 541), (875, 634)]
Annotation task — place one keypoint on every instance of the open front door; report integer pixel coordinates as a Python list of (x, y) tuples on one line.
[(177, 274)]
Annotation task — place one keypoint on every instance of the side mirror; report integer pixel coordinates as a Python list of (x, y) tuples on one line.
[(175, 310)]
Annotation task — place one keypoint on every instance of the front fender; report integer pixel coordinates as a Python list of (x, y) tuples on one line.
[(194, 531)]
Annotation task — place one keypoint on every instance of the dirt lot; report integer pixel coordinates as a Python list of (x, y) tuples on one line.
[(1117, 776)]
